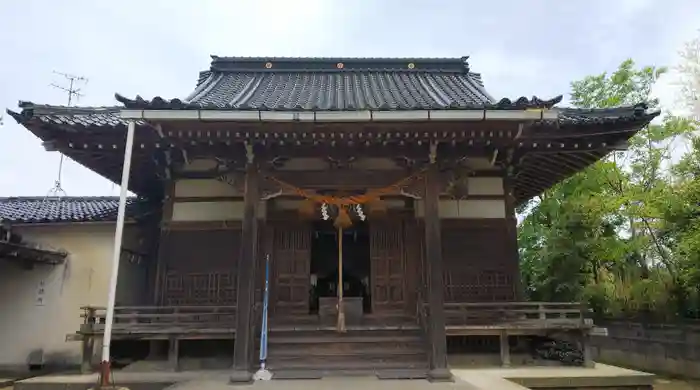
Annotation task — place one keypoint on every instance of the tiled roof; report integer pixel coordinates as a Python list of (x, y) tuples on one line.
[(64, 209), (105, 117), (242, 83), (599, 116), (102, 117), (328, 84)]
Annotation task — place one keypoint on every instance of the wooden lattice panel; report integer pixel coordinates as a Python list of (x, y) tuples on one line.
[(480, 264), (291, 262), (195, 289), (200, 267), (388, 266)]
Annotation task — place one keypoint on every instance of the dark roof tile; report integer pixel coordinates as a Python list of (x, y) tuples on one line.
[(71, 116), (329, 84), (599, 116), (318, 84), (59, 115), (65, 209)]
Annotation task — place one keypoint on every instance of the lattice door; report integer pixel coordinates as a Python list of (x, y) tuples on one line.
[(291, 265), (200, 267), (479, 265), (388, 288)]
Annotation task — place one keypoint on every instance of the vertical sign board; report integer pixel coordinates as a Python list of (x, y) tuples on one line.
[(40, 297)]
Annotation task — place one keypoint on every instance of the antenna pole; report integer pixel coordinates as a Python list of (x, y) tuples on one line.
[(72, 91)]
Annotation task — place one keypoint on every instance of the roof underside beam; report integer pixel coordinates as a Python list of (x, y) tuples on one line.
[(339, 116)]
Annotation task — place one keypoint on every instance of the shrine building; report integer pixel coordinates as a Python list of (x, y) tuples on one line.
[(380, 192)]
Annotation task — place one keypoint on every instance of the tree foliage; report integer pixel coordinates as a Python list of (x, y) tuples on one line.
[(624, 234)]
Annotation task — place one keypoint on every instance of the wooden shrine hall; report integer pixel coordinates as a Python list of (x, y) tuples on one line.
[(382, 192)]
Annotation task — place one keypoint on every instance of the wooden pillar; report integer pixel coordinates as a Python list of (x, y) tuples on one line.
[(174, 353), (505, 349), (88, 353), (433, 259), (153, 350), (245, 299), (160, 266), (512, 239), (586, 349)]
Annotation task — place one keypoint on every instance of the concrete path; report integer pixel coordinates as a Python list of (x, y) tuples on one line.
[(338, 384), (463, 381), (465, 378)]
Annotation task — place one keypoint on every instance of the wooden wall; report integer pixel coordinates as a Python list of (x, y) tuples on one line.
[(199, 266), (200, 245), (479, 262), (479, 243)]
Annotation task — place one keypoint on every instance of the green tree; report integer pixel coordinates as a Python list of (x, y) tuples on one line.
[(597, 235)]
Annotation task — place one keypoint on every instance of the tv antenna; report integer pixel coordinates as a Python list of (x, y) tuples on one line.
[(73, 91)]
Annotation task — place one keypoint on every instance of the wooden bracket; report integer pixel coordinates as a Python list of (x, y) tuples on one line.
[(432, 155), (249, 153)]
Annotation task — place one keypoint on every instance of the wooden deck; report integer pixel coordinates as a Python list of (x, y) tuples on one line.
[(502, 319), (162, 322), (462, 319), (517, 318)]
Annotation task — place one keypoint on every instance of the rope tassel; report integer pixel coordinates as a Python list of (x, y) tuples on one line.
[(343, 220)]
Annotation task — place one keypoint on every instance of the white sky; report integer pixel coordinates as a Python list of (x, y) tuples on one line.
[(534, 47)]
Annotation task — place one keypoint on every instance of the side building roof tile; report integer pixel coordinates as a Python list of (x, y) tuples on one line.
[(27, 210)]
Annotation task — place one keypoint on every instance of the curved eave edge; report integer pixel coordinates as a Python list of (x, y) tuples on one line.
[(18, 117), (527, 194), (158, 103)]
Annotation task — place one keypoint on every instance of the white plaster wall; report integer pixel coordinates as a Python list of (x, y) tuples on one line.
[(82, 280), (199, 188), (485, 186), (212, 211), (466, 209), (473, 208)]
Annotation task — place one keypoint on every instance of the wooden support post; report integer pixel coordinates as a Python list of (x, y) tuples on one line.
[(340, 324), (245, 299), (174, 353), (505, 349), (166, 219), (152, 350), (88, 343), (586, 349), (88, 353), (433, 255), (512, 236)]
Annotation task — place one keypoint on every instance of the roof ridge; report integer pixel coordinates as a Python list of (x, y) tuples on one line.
[(215, 57), (339, 64)]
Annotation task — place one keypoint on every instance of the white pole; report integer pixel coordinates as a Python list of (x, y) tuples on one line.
[(118, 243)]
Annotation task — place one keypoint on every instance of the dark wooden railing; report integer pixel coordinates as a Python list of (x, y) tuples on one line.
[(534, 314), (161, 319)]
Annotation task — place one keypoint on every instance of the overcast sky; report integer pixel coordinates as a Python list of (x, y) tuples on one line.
[(146, 47)]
